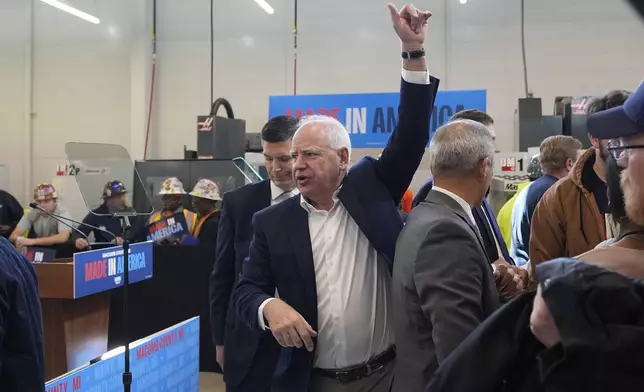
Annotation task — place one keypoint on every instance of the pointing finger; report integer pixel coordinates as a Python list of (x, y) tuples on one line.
[(304, 330)]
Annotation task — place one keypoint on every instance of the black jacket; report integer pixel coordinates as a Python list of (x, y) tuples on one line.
[(10, 211), (600, 316), (208, 234), (22, 361)]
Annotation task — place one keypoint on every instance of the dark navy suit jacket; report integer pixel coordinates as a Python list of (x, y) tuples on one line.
[(242, 343), (22, 362), (282, 258), (490, 242)]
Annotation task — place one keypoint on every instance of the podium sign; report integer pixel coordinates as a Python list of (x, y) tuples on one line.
[(100, 270), (167, 360), (40, 255)]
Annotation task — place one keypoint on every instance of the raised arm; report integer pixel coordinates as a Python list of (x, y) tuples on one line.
[(402, 155)]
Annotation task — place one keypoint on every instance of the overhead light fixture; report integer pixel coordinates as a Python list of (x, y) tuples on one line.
[(463, 1), (71, 10), (265, 6)]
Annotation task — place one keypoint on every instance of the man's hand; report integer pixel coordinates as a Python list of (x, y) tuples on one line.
[(542, 324), (410, 24), (508, 281), (81, 243), (288, 326), (220, 356), (119, 241), (5, 229), (22, 242)]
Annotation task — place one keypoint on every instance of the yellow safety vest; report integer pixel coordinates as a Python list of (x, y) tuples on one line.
[(191, 218)]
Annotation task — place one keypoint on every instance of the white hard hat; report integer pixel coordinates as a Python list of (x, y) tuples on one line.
[(206, 189), (172, 186)]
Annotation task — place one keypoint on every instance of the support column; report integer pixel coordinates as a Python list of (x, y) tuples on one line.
[(140, 78)]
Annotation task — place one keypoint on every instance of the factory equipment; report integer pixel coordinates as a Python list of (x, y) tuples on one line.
[(568, 119)]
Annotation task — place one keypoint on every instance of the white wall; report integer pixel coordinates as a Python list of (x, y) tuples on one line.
[(91, 83)]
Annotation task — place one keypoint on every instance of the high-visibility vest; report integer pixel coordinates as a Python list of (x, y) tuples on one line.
[(191, 218), (201, 222)]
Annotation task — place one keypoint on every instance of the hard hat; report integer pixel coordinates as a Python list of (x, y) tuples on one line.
[(44, 192), (206, 189), (172, 186), (113, 188), (534, 168)]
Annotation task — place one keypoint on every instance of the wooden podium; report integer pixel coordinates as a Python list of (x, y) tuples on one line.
[(75, 330)]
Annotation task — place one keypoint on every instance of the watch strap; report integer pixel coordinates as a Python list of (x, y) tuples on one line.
[(414, 54)]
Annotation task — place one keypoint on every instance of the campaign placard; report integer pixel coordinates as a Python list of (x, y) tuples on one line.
[(37, 254), (100, 270), (165, 361), (174, 226), (370, 119)]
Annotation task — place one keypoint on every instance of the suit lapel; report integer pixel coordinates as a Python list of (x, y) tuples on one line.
[(441, 198), (298, 223)]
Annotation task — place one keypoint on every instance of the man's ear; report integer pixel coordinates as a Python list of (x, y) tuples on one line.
[(484, 166), (593, 141), (344, 158)]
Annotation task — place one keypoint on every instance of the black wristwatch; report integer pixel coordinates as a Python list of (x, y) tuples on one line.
[(414, 54)]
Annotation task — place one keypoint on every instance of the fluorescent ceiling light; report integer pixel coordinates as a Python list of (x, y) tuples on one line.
[(71, 10), (265, 6), (463, 1)]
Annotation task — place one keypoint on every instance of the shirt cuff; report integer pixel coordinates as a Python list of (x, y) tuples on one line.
[(415, 77), (260, 314)]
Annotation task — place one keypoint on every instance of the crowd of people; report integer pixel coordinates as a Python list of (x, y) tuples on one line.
[(328, 278)]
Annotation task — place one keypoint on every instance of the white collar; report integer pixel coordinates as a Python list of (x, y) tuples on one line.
[(309, 207), (461, 202), (277, 191)]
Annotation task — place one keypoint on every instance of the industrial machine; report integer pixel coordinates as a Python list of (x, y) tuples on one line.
[(568, 118)]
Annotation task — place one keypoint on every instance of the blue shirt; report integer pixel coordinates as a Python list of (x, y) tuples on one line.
[(522, 212), (21, 339)]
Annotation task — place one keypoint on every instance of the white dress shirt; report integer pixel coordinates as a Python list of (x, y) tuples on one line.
[(353, 284), (278, 194), (464, 205)]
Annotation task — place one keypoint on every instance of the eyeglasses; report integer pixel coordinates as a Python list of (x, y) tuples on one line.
[(620, 150)]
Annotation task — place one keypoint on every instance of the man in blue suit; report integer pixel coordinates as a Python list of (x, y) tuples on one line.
[(236, 344), (329, 251), (495, 246)]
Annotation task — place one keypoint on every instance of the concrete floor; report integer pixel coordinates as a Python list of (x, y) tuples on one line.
[(211, 382)]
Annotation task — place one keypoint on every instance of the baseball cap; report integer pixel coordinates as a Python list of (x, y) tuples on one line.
[(622, 121)]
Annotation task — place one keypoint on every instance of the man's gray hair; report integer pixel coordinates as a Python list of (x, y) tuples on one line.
[(336, 134), (458, 147)]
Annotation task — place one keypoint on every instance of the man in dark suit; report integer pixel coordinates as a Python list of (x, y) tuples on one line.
[(443, 283), (495, 246), (330, 251), (243, 371)]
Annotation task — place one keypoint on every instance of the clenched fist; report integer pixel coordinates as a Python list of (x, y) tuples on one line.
[(410, 24)]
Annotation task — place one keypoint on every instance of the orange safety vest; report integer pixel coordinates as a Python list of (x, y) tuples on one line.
[(201, 222), (191, 218)]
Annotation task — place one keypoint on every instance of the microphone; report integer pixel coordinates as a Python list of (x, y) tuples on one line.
[(62, 220), (59, 219)]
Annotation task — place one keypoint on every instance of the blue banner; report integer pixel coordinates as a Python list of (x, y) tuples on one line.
[(371, 118), (165, 361), (100, 270)]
